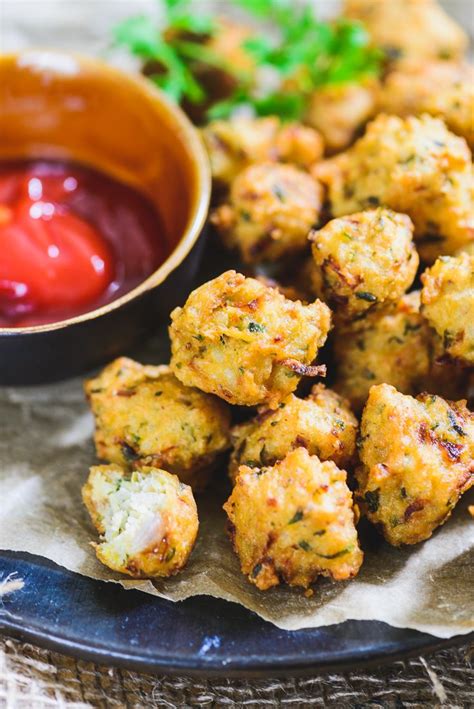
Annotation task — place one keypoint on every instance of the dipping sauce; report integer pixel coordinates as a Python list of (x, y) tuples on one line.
[(71, 239)]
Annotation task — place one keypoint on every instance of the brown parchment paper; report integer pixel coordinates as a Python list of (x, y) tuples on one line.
[(46, 450)]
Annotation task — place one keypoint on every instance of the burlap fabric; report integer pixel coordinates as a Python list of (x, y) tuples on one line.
[(32, 678)]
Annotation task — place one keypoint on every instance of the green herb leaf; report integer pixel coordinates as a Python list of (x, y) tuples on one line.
[(297, 517), (365, 295), (372, 498), (256, 327), (309, 52)]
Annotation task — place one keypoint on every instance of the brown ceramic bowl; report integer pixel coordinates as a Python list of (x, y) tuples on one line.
[(59, 105)]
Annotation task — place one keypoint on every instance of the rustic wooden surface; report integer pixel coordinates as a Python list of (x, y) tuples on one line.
[(33, 678)]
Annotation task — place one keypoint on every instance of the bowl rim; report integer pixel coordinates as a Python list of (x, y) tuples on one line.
[(200, 203)]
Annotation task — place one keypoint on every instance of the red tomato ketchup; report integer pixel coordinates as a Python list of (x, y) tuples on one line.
[(71, 239)]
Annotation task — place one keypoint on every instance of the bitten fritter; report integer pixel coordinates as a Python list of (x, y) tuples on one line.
[(147, 520), (366, 260), (245, 342), (412, 165), (294, 522), (145, 416), (443, 89), (339, 112), (418, 29), (322, 423), (271, 209), (417, 460), (235, 144), (389, 346), (447, 302)]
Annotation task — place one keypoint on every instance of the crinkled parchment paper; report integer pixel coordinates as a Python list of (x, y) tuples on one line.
[(46, 450)]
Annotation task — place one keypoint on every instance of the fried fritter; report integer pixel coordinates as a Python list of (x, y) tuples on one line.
[(447, 378), (417, 460), (294, 522), (323, 423), (292, 292), (235, 144), (389, 346), (366, 260), (228, 43), (412, 165), (409, 28), (245, 342), (443, 89), (447, 302), (147, 519), (466, 249), (145, 416), (271, 209), (339, 112)]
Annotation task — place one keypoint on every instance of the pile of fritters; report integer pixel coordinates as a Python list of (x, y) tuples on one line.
[(375, 247)]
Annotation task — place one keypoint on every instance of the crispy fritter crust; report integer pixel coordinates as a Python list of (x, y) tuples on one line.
[(443, 89), (145, 416), (410, 28), (447, 302), (339, 112), (271, 209), (294, 522), (147, 519), (235, 144), (366, 260), (417, 459), (412, 165), (391, 346), (322, 423), (245, 342)]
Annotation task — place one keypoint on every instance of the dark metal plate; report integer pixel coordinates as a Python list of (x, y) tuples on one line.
[(104, 623)]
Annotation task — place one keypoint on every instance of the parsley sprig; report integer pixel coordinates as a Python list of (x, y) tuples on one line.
[(305, 54)]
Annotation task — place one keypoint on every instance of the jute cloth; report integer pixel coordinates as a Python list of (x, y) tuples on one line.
[(33, 678)]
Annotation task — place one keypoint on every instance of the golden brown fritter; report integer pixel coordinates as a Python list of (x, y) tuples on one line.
[(147, 519), (447, 378), (444, 89), (294, 522), (339, 112), (270, 211), (412, 165), (466, 249), (417, 459), (228, 41), (235, 144), (447, 302), (365, 260), (310, 278), (418, 29), (391, 346), (245, 342), (322, 423), (145, 416), (292, 292)]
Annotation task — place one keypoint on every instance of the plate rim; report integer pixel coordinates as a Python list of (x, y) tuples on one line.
[(13, 625), (161, 667)]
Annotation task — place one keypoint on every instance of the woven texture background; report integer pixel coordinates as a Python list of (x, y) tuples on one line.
[(32, 678)]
